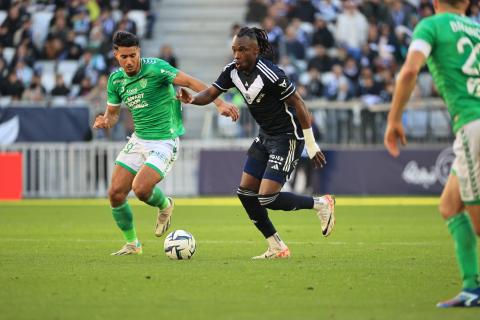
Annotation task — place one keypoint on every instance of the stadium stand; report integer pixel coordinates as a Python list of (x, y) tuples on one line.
[(342, 55)]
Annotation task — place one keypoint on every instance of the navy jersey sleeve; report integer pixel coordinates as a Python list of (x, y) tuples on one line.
[(224, 81), (283, 88)]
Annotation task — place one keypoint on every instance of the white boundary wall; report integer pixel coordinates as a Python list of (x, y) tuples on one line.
[(80, 170)]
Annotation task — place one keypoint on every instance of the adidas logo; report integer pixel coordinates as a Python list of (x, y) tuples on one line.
[(283, 84), (246, 84), (275, 166)]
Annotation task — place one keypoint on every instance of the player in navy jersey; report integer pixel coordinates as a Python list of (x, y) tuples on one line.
[(285, 129)]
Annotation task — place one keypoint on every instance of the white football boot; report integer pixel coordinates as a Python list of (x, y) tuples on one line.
[(163, 219), (274, 254), (325, 207), (128, 249)]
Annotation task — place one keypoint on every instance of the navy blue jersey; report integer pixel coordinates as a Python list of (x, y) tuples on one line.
[(264, 90)]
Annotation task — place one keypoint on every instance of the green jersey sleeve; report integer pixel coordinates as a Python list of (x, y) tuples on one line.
[(425, 31), (166, 72), (424, 36), (113, 97)]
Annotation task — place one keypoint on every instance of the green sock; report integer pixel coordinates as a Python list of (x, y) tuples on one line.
[(124, 219), (158, 199), (465, 240)]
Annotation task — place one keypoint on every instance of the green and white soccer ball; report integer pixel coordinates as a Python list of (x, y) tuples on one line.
[(179, 245)]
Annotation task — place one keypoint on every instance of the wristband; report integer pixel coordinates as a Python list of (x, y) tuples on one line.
[(310, 144)]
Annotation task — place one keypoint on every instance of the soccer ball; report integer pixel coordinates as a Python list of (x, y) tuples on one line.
[(179, 245)]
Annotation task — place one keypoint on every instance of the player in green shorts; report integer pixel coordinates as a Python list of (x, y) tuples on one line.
[(145, 86), (449, 43)]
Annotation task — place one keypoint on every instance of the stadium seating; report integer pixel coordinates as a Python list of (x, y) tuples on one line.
[(8, 54), (139, 17), (186, 23), (67, 68), (40, 25), (3, 15)]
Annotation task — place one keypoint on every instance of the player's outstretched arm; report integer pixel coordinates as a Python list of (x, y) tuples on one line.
[(313, 150), (204, 95), (108, 119), (404, 86)]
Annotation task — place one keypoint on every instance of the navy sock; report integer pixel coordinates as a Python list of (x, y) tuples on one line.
[(256, 212), (286, 201)]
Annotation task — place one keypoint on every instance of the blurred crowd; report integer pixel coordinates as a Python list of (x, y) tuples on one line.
[(340, 50), (63, 48), (335, 51), (344, 51), (59, 51)]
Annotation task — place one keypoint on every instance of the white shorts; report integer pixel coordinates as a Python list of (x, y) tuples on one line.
[(157, 154), (466, 165)]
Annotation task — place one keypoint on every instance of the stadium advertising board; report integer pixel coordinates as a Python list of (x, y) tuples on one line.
[(355, 172)]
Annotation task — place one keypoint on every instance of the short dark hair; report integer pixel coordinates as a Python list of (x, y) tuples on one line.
[(453, 3), (124, 39)]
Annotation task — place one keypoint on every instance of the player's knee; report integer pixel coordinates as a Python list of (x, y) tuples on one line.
[(447, 210), (268, 200), (476, 227), (142, 191), (116, 196)]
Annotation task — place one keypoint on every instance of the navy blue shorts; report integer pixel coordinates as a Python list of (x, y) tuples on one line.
[(273, 158)]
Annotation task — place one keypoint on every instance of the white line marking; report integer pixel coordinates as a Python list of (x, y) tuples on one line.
[(227, 201), (240, 242)]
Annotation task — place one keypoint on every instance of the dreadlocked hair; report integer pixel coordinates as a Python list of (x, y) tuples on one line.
[(261, 37)]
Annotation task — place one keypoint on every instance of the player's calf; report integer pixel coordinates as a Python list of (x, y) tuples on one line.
[(286, 201), (257, 213)]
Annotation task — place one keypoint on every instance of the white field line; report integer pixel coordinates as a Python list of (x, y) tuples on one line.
[(239, 242), (228, 201)]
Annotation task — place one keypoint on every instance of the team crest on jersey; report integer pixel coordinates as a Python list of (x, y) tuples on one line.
[(143, 83), (253, 90)]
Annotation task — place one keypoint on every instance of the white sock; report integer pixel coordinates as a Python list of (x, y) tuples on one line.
[(275, 242), (320, 201)]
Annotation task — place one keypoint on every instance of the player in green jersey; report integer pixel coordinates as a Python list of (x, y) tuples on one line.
[(145, 86), (449, 43)]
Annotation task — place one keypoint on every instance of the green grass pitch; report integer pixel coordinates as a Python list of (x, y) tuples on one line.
[(382, 261)]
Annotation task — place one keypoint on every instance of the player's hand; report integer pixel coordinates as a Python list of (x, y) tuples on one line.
[(184, 96), (228, 110), (393, 134), (319, 160), (101, 122), (315, 154)]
